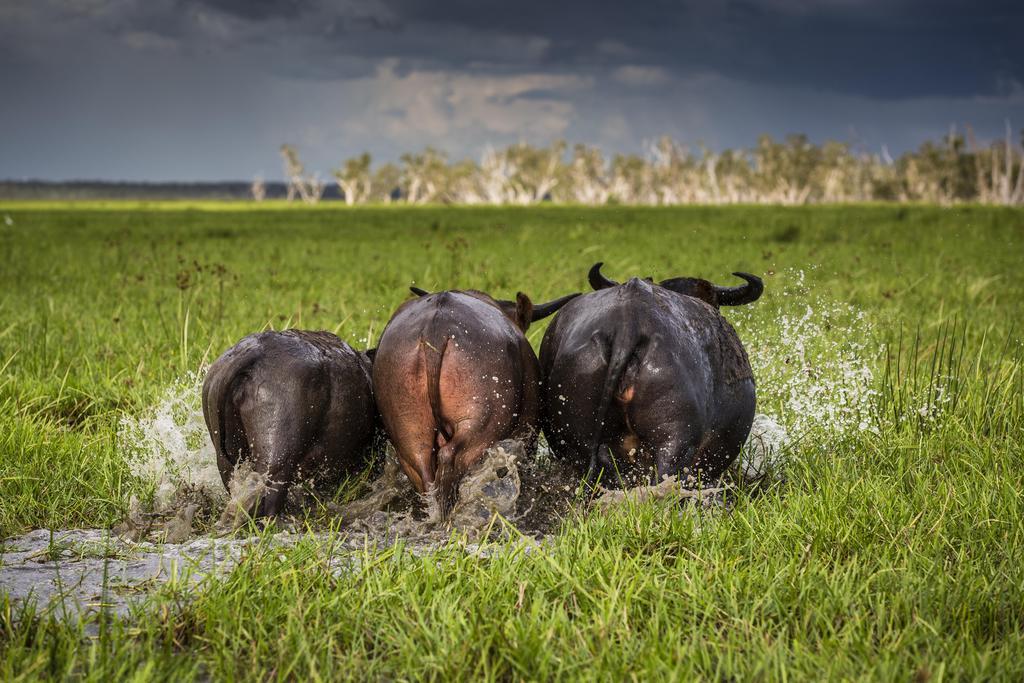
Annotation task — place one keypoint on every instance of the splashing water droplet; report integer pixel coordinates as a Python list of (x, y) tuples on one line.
[(813, 369), (168, 445)]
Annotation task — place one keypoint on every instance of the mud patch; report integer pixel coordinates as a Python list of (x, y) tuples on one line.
[(74, 573), (245, 492), (505, 494), (170, 520), (509, 500), (670, 489), (78, 572)]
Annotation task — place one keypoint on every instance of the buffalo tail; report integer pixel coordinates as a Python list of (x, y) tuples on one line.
[(623, 347), (446, 479)]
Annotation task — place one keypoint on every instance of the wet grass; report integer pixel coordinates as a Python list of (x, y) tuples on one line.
[(892, 551)]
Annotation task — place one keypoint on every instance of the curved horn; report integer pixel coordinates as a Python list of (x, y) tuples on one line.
[(744, 294), (544, 310), (418, 292), (598, 281)]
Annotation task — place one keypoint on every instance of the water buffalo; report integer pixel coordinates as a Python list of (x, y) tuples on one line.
[(297, 404), (453, 375), (646, 380)]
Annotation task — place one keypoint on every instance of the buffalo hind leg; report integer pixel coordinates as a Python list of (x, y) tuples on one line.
[(696, 465), (676, 458), (230, 442), (278, 442), (721, 449), (724, 441)]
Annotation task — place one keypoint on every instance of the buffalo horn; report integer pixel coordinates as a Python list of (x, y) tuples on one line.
[(598, 281), (744, 294), (544, 310)]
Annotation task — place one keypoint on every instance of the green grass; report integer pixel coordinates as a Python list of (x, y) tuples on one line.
[(888, 553)]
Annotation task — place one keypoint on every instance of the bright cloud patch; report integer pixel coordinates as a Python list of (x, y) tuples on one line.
[(439, 105)]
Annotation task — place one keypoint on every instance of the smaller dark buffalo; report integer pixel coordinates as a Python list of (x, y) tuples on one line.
[(454, 374), (297, 404), (645, 380)]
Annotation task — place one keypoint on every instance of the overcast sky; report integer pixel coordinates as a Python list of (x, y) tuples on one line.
[(209, 89)]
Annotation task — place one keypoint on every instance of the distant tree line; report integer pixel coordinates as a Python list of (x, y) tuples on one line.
[(792, 171), (108, 190)]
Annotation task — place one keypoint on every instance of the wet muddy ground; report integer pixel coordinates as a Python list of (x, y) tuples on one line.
[(508, 497), (72, 572)]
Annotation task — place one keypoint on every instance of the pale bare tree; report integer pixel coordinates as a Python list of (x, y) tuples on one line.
[(355, 179), (632, 180), (539, 171), (587, 179), (310, 188), (385, 183), (1000, 171), (315, 186), (294, 171), (462, 183), (423, 176), (494, 181), (791, 171), (784, 170), (258, 189)]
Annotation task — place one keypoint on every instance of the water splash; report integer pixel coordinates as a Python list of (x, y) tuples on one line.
[(168, 446), (246, 490), (814, 371), (489, 494), (765, 453)]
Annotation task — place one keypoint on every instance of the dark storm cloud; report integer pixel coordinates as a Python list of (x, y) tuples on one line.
[(877, 48), (898, 48), (210, 88), (256, 9)]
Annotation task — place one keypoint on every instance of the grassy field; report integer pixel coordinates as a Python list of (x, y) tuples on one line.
[(886, 340)]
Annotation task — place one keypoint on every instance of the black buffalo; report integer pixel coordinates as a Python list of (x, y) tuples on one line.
[(297, 404), (646, 380), (454, 374)]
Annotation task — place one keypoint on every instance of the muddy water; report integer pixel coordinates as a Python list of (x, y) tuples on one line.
[(75, 572), (508, 498), (507, 494), (79, 571)]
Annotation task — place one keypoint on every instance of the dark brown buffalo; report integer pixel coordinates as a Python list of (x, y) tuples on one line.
[(646, 380), (298, 405), (453, 375)]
